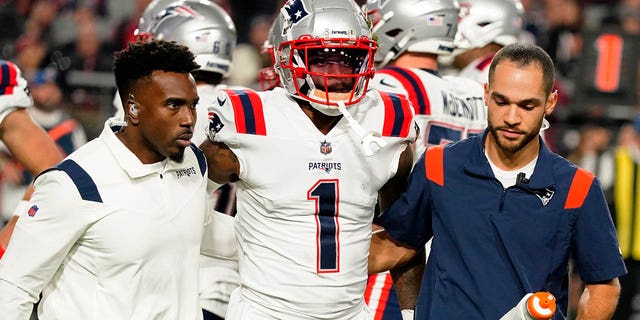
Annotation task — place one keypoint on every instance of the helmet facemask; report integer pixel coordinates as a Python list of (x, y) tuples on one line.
[(327, 71)]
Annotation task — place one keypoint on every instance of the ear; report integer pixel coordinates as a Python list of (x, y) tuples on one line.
[(551, 102), (486, 94), (132, 111)]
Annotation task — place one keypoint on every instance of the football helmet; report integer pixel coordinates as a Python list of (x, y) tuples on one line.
[(204, 27), (324, 52), (427, 26), (268, 77), (146, 21), (486, 21)]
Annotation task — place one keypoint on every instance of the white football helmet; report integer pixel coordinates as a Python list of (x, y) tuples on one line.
[(146, 21), (268, 77), (204, 27), (327, 35), (486, 21), (412, 25)]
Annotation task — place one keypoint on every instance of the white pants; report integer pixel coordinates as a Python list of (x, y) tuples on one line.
[(239, 309)]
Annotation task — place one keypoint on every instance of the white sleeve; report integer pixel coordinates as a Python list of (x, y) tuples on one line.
[(12, 302), (219, 237), (15, 93), (42, 238)]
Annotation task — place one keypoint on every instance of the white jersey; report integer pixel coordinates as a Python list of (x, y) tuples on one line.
[(218, 277), (107, 237), (447, 108), (14, 92), (478, 69), (305, 199)]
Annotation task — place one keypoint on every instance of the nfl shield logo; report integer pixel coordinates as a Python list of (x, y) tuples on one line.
[(32, 211), (325, 147)]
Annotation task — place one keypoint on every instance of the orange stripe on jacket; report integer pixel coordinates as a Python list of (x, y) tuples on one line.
[(62, 129), (579, 189), (434, 164)]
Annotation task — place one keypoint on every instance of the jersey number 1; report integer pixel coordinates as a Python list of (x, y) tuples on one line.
[(326, 195)]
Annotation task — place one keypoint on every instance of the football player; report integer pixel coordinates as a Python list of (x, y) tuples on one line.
[(310, 160)]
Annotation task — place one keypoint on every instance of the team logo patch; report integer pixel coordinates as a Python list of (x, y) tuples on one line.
[(325, 147), (544, 195), (32, 211), (215, 124)]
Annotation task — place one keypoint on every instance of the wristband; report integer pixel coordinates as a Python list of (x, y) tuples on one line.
[(407, 314), (21, 207)]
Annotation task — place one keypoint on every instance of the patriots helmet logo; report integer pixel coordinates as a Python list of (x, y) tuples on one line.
[(296, 10), (173, 11)]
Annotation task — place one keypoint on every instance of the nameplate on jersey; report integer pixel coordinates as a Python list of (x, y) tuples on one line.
[(248, 111)]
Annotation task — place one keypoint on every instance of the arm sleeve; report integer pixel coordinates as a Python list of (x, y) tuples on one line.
[(40, 242), (13, 86), (596, 246), (219, 237), (408, 219)]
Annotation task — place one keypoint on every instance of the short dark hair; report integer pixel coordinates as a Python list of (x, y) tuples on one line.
[(140, 59), (524, 54)]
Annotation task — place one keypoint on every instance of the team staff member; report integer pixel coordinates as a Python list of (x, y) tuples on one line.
[(114, 231), (504, 211), (447, 108), (26, 140)]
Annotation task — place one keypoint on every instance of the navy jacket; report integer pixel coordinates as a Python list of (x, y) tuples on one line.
[(491, 245)]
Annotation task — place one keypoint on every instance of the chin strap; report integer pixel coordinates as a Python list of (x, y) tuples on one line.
[(366, 138)]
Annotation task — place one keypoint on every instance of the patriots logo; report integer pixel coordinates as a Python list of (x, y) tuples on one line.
[(296, 10), (174, 11), (325, 147), (32, 211), (215, 124), (545, 195)]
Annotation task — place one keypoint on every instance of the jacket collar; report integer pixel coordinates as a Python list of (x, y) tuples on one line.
[(478, 164), (130, 163)]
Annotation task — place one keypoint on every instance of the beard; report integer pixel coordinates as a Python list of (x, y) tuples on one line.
[(177, 157), (511, 146)]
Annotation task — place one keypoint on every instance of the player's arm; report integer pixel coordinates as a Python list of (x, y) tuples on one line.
[(219, 237), (28, 142), (385, 253), (223, 164), (599, 300), (408, 263), (32, 147)]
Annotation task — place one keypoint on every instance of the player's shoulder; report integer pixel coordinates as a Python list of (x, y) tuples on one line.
[(463, 85), (14, 91), (376, 98), (389, 113)]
